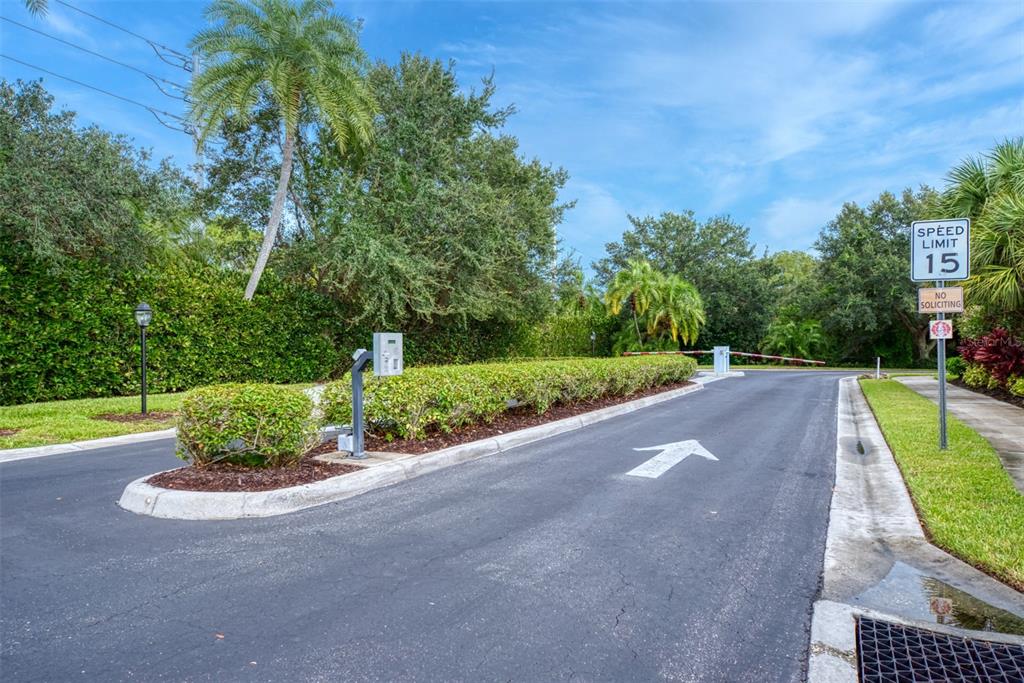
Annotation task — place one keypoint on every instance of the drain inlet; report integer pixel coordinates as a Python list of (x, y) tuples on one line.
[(893, 653)]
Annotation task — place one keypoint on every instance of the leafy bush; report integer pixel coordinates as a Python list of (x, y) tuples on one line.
[(975, 376), (955, 367), (71, 333), (566, 335), (443, 398), (257, 425), (1001, 354), (1016, 386)]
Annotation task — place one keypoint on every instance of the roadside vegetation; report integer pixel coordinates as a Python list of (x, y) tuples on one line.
[(53, 422), (254, 425), (341, 195), (965, 499)]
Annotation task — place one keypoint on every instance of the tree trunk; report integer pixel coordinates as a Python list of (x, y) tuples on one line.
[(636, 323), (919, 332), (923, 343), (270, 235)]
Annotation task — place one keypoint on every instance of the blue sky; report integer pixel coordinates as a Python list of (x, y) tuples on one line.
[(775, 113)]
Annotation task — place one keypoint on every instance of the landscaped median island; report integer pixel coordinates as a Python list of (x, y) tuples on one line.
[(252, 437), (964, 498)]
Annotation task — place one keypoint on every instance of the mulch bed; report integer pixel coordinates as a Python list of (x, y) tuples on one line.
[(9, 432), (999, 394), (509, 421), (222, 477), (152, 416)]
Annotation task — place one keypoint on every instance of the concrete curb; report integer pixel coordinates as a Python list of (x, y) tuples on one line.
[(144, 499), (9, 454), (872, 524)]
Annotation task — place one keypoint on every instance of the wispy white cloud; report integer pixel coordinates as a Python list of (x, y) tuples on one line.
[(776, 113), (793, 223), (598, 218), (59, 21)]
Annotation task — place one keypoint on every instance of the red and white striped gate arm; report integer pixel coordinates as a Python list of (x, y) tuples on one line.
[(732, 353)]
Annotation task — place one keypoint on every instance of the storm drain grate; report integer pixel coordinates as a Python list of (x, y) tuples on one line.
[(892, 653)]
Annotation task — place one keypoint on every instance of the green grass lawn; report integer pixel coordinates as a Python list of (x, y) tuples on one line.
[(39, 424), (965, 499)]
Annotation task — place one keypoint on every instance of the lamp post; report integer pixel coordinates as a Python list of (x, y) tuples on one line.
[(143, 316), (593, 341)]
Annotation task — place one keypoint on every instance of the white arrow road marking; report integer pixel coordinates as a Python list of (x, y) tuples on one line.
[(671, 454)]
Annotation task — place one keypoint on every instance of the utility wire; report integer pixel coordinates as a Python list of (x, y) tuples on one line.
[(148, 75), (152, 110), (186, 62)]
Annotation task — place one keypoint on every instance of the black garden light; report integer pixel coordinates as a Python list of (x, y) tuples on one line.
[(143, 316), (593, 339)]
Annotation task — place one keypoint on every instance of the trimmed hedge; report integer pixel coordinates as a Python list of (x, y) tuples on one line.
[(443, 398), (72, 334), (256, 425)]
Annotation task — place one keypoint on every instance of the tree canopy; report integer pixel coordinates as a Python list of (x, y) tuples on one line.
[(68, 192), (865, 300), (990, 191), (716, 257), (440, 221), (302, 59)]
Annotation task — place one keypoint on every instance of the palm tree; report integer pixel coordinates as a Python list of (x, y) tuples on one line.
[(37, 7), (990, 191), (637, 285), (792, 338), (299, 56), (677, 306)]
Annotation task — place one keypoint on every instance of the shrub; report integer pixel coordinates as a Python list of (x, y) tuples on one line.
[(71, 333), (257, 425), (443, 398), (1016, 386), (1001, 354), (955, 367), (975, 376)]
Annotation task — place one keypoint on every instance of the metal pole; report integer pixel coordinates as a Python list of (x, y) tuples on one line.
[(357, 414), (943, 440), (361, 358), (142, 329)]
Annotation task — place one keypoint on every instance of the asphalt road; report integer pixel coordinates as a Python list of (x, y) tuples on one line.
[(542, 564)]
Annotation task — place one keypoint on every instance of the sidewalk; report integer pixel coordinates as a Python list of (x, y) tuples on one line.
[(1000, 423)]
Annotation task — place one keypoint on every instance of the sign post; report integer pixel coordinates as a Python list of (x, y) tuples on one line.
[(939, 251)]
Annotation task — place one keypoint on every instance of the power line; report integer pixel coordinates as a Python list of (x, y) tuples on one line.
[(148, 75), (152, 110), (185, 64)]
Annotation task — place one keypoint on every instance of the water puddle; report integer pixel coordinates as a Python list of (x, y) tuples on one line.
[(908, 593)]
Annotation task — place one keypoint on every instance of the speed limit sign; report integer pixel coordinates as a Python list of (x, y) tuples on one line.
[(940, 250)]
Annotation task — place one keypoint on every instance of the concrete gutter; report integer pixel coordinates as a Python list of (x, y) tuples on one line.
[(145, 499), (10, 454), (873, 535)]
